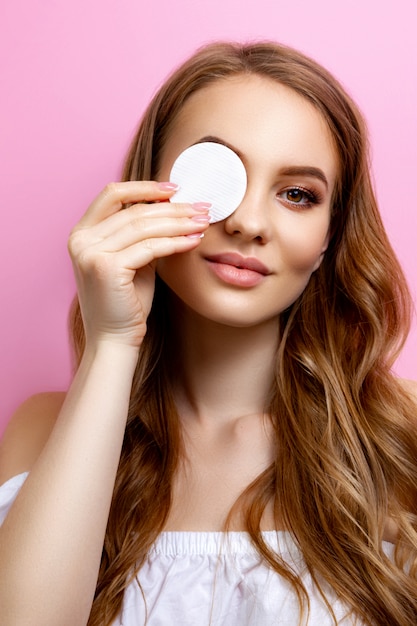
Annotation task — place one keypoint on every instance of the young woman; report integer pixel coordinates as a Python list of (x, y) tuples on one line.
[(234, 448)]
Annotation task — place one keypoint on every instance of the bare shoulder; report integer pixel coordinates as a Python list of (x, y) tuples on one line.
[(410, 386), (27, 432)]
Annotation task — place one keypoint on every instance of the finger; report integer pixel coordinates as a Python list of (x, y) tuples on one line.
[(141, 254), (134, 216), (128, 261), (146, 228), (84, 242), (115, 195)]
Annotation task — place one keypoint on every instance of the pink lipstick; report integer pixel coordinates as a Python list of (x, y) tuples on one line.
[(235, 269)]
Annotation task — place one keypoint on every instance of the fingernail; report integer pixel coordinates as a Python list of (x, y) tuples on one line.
[(201, 206), (201, 218), (196, 236), (168, 186)]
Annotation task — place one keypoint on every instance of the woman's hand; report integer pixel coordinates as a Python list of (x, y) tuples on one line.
[(114, 254)]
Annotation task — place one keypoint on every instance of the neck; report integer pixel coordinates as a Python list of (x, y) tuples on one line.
[(227, 372)]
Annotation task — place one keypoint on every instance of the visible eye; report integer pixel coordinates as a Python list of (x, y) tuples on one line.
[(299, 196)]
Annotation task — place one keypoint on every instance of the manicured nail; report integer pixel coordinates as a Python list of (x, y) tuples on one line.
[(196, 236), (168, 186), (201, 206), (201, 218)]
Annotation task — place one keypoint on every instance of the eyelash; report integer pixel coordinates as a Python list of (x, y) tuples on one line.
[(312, 197)]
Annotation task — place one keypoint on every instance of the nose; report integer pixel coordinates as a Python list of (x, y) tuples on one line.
[(251, 220)]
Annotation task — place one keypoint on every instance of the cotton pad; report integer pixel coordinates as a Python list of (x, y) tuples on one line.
[(210, 172)]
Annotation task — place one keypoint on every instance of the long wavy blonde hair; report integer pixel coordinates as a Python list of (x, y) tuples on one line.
[(345, 428)]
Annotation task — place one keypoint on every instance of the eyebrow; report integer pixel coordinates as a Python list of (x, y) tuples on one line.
[(291, 170), (305, 170)]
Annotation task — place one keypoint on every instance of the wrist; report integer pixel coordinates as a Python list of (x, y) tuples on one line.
[(117, 353)]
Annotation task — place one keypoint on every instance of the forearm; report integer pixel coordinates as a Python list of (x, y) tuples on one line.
[(51, 541)]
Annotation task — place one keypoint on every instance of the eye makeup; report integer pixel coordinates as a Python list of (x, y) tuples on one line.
[(299, 196)]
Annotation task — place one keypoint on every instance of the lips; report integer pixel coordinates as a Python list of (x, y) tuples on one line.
[(237, 271), (239, 262)]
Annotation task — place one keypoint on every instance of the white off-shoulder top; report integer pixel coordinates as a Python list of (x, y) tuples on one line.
[(214, 579)]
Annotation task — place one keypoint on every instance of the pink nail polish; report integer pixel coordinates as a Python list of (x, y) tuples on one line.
[(195, 236), (201, 206), (168, 186), (201, 218)]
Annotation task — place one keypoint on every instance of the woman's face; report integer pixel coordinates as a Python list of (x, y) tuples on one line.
[(251, 266)]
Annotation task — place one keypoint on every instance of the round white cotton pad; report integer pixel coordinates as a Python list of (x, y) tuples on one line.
[(210, 172)]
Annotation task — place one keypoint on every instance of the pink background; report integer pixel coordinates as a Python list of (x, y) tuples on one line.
[(75, 78)]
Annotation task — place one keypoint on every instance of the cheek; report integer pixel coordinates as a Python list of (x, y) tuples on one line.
[(302, 247)]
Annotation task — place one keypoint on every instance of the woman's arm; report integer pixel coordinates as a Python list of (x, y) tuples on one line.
[(51, 541), (52, 538)]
